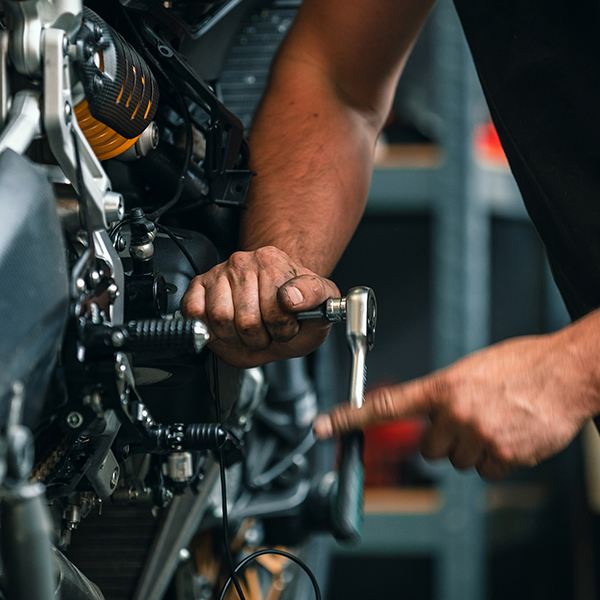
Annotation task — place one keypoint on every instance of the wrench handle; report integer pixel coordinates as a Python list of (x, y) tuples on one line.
[(347, 517)]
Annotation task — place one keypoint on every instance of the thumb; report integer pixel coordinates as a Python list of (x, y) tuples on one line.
[(382, 404), (305, 292)]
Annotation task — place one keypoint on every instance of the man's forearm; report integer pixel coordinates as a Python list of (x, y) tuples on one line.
[(313, 159), (313, 138)]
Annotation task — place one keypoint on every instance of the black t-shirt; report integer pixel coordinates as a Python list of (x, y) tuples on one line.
[(539, 65)]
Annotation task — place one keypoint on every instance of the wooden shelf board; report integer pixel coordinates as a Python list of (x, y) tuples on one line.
[(402, 500), (407, 156)]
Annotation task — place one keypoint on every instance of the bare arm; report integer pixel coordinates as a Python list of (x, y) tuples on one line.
[(312, 141), (312, 145), (511, 405)]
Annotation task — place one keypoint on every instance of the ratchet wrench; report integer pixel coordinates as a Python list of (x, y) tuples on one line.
[(359, 310)]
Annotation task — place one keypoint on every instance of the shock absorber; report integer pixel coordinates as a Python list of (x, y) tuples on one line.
[(121, 92)]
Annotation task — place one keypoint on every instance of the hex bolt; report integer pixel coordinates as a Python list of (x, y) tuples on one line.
[(98, 83), (113, 291), (184, 555), (117, 339), (120, 243), (97, 32), (74, 419), (114, 478), (68, 113)]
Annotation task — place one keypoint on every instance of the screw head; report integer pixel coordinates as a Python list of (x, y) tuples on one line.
[(74, 419), (120, 243), (97, 32), (113, 291), (68, 113), (98, 83), (114, 478), (117, 339), (184, 555)]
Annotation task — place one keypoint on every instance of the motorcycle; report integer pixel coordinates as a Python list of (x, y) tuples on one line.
[(130, 456)]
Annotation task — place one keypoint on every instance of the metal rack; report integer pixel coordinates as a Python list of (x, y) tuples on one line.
[(462, 195)]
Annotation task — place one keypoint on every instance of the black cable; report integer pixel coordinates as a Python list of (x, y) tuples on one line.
[(291, 557), (226, 542), (115, 229), (232, 569), (157, 214), (183, 249)]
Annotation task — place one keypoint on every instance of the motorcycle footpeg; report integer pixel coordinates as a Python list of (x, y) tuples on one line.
[(147, 335)]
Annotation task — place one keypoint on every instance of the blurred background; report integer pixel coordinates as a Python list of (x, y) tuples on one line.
[(456, 265)]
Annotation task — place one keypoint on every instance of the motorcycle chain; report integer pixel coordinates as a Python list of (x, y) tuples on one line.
[(45, 467)]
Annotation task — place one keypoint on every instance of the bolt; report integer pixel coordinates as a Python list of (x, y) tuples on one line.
[(81, 284), (98, 83), (154, 134), (74, 419), (117, 339), (66, 45), (125, 450), (166, 495), (120, 243), (68, 113), (245, 423), (184, 555), (114, 478), (97, 32), (113, 291)]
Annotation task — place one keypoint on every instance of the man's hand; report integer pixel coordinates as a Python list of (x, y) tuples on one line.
[(249, 311), (511, 405)]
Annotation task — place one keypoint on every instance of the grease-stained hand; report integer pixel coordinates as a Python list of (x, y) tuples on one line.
[(249, 304), (508, 406)]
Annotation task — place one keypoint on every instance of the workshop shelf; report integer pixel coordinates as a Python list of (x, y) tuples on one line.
[(405, 179), (461, 188)]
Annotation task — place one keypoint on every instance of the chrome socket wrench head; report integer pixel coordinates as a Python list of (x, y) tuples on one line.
[(361, 321)]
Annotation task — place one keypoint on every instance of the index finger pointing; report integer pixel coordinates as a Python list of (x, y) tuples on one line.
[(382, 404)]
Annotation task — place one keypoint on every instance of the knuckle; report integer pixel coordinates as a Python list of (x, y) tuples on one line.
[(249, 323), (483, 433), (281, 326), (502, 453), (267, 254), (340, 419), (441, 386), (238, 261), (458, 413), (221, 316), (384, 405)]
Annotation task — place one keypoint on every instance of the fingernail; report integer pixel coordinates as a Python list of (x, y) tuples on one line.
[(323, 428), (294, 294)]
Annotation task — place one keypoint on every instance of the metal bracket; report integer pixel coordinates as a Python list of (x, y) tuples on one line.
[(23, 122), (60, 121)]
